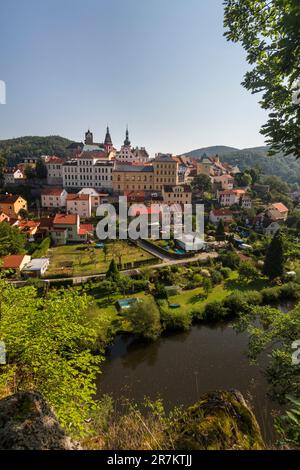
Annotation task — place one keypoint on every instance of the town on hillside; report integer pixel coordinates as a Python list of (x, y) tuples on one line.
[(52, 201)]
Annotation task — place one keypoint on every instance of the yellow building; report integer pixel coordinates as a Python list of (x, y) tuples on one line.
[(132, 178), (11, 204), (180, 194), (165, 171)]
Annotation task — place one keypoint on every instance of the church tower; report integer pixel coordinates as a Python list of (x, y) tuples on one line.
[(127, 141), (107, 141), (89, 139)]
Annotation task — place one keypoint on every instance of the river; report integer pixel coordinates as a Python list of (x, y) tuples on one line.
[(181, 367)]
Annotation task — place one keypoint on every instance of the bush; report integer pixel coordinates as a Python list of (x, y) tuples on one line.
[(216, 277), (144, 319), (215, 311), (225, 272), (230, 260), (177, 319), (270, 294), (290, 291), (42, 249)]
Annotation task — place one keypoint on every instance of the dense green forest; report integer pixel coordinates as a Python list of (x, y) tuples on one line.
[(15, 150), (288, 168)]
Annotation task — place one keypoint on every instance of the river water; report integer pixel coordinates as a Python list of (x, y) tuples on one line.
[(181, 367)]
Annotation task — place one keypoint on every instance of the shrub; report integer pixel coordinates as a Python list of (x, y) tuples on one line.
[(270, 294), (42, 249), (225, 272), (215, 311), (216, 277), (144, 319), (177, 319), (290, 291), (230, 260)]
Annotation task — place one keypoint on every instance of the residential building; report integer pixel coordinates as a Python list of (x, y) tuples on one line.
[(54, 198), (36, 267), (216, 215), (15, 262), (180, 194), (96, 197), (223, 182), (246, 201), (11, 204), (128, 177), (89, 170), (54, 167), (13, 176), (79, 204), (230, 197), (66, 228), (165, 169), (277, 211), (4, 217), (28, 228)]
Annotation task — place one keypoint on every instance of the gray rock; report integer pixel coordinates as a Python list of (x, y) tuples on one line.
[(28, 422)]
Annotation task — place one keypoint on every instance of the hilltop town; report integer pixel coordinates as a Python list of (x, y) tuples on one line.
[(64, 193)]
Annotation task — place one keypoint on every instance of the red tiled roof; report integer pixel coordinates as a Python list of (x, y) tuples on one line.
[(65, 219), (12, 261), (78, 197), (54, 159), (220, 212), (52, 192), (85, 228), (280, 207), (233, 191)]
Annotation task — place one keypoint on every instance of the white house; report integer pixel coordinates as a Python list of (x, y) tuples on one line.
[(54, 170), (13, 176), (89, 170), (37, 267), (96, 197), (79, 204), (54, 198), (229, 197), (216, 215)]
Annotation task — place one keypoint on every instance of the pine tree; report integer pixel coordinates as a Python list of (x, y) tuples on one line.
[(274, 261), (220, 231), (113, 272)]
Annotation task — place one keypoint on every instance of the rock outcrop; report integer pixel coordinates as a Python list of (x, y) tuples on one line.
[(219, 421), (28, 422)]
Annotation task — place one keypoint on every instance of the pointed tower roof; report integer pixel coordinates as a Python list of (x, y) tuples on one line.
[(127, 141), (107, 140)]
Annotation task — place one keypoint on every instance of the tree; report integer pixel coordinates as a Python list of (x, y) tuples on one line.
[(269, 32), (41, 169), (274, 261), (220, 231), (29, 172), (144, 319), (244, 179), (202, 183), (48, 342), (12, 241), (247, 271), (207, 285), (113, 272)]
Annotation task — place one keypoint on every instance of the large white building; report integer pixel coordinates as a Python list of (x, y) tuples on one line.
[(88, 170), (54, 170)]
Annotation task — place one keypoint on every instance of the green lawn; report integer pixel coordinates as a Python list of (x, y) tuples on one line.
[(195, 298), (76, 260)]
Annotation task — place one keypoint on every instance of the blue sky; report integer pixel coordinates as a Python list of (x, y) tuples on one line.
[(162, 66)]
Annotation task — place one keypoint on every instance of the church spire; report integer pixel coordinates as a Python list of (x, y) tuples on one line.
[(127, 141), (107, 141)]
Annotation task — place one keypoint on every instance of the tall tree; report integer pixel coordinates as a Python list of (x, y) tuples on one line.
[(274, 261), (269, 31), (12, 241), (220, 230)]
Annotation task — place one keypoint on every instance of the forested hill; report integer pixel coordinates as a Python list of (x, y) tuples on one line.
[(288, 168), (15, 150)]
